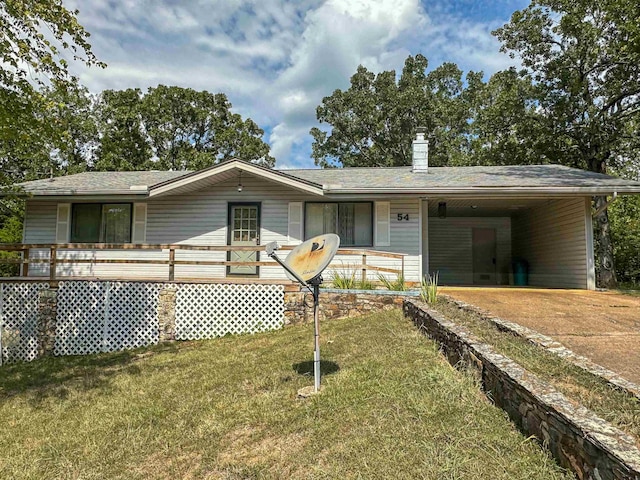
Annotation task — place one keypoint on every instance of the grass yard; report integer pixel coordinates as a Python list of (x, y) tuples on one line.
[(593, 392), (390, 408)]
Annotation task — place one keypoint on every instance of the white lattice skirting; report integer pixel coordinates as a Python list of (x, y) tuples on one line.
[(103, 316), (106, 316), (18, 321), (214, 310)]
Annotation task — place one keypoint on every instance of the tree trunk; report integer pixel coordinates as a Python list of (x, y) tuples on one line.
[(606, 273)]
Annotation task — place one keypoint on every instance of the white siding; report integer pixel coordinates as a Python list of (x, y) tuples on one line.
[(40, 227), (200, 218), (451, 251), (553, 240)]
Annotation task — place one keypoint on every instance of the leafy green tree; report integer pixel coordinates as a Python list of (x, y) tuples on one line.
[(191, 129), (503, 120), (123, 144), (373, 122), (11, 215), (74, 133), (173, 128), (584, 60), (35, 36), (625, 232)]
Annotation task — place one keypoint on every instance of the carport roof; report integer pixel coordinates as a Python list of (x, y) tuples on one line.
[(469, 179), (491, 180)]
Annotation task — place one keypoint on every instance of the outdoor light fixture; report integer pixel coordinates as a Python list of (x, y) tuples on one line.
[(240, 182), (442, 210)]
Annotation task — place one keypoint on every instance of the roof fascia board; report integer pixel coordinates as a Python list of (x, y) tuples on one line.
[(166, 187)]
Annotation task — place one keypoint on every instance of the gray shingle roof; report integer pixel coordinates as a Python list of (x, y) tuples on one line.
[(460, 177), (354, 179), (94, 183)]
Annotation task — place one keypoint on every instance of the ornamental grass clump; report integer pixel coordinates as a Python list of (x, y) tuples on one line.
[(344, 279), (397, 285), (429, 288)]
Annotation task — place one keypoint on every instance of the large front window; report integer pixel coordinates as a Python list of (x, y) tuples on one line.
[(101, 223), (353, 222)]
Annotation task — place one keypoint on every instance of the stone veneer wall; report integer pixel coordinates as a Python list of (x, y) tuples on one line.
[(298, 306), (577, 438)]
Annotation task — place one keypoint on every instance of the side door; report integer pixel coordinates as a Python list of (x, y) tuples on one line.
[(244, 231), (484, 256)]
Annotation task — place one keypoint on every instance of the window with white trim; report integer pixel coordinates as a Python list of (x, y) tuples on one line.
[(351, 221), (101, 223)]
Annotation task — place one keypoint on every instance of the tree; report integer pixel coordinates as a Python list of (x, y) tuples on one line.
[(74, 134), (503, 120), (124, 144), (188, 129), (584, 60), (374, 121), (173, 128), (34, 37)]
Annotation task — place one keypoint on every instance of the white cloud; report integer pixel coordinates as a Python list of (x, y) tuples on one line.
[(339, 35), (275, 59)]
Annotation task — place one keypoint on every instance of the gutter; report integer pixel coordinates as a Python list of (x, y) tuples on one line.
[(606, 205)]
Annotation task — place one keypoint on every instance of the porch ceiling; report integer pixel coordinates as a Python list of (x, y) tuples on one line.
[(485, 207)]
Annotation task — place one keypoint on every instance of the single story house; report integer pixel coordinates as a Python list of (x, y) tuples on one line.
[(467, 223)]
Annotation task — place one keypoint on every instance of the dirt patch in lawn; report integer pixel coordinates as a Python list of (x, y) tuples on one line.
[(602, 326)]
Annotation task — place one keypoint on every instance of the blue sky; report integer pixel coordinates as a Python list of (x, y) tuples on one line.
[(277, 59)]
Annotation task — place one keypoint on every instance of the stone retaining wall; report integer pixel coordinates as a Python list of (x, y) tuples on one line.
[(298, 306), (551, 345), (577, 438)]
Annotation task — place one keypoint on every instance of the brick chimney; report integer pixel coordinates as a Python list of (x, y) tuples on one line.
[(420, 151)]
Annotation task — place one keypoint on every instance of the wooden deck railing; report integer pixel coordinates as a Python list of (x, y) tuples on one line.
[(54, 259)]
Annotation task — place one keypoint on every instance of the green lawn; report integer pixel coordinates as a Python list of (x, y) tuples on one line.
[(391, 408)]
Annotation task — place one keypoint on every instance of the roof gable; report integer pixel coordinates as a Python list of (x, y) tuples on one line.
[(228, 170)]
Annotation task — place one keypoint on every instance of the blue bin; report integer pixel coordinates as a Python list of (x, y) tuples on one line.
[(520, 272)]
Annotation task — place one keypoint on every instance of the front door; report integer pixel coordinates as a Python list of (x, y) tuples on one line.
[(484, 256), (244, 231)]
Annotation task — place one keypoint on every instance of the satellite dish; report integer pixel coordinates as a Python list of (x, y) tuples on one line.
[(310, 258), (304, 264)]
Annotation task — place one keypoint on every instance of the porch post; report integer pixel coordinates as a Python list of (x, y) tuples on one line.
[(424, 237)]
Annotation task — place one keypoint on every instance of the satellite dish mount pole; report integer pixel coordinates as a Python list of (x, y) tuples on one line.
[(315, 282)]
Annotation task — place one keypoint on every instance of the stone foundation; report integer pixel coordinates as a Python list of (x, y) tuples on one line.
[(577, 438), (167, 314)]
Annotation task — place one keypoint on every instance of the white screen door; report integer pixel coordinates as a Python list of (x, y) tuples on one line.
[(244, 230)]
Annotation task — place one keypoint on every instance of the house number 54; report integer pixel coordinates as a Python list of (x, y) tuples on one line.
[(403, 217)]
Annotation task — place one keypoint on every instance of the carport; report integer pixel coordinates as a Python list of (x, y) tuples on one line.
[(477, 241)]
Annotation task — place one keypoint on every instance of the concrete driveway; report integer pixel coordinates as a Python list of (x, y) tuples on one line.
[(602, 326)]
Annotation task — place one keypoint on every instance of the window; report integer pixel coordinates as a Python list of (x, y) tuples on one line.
[(101, 223), (353, 222)]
